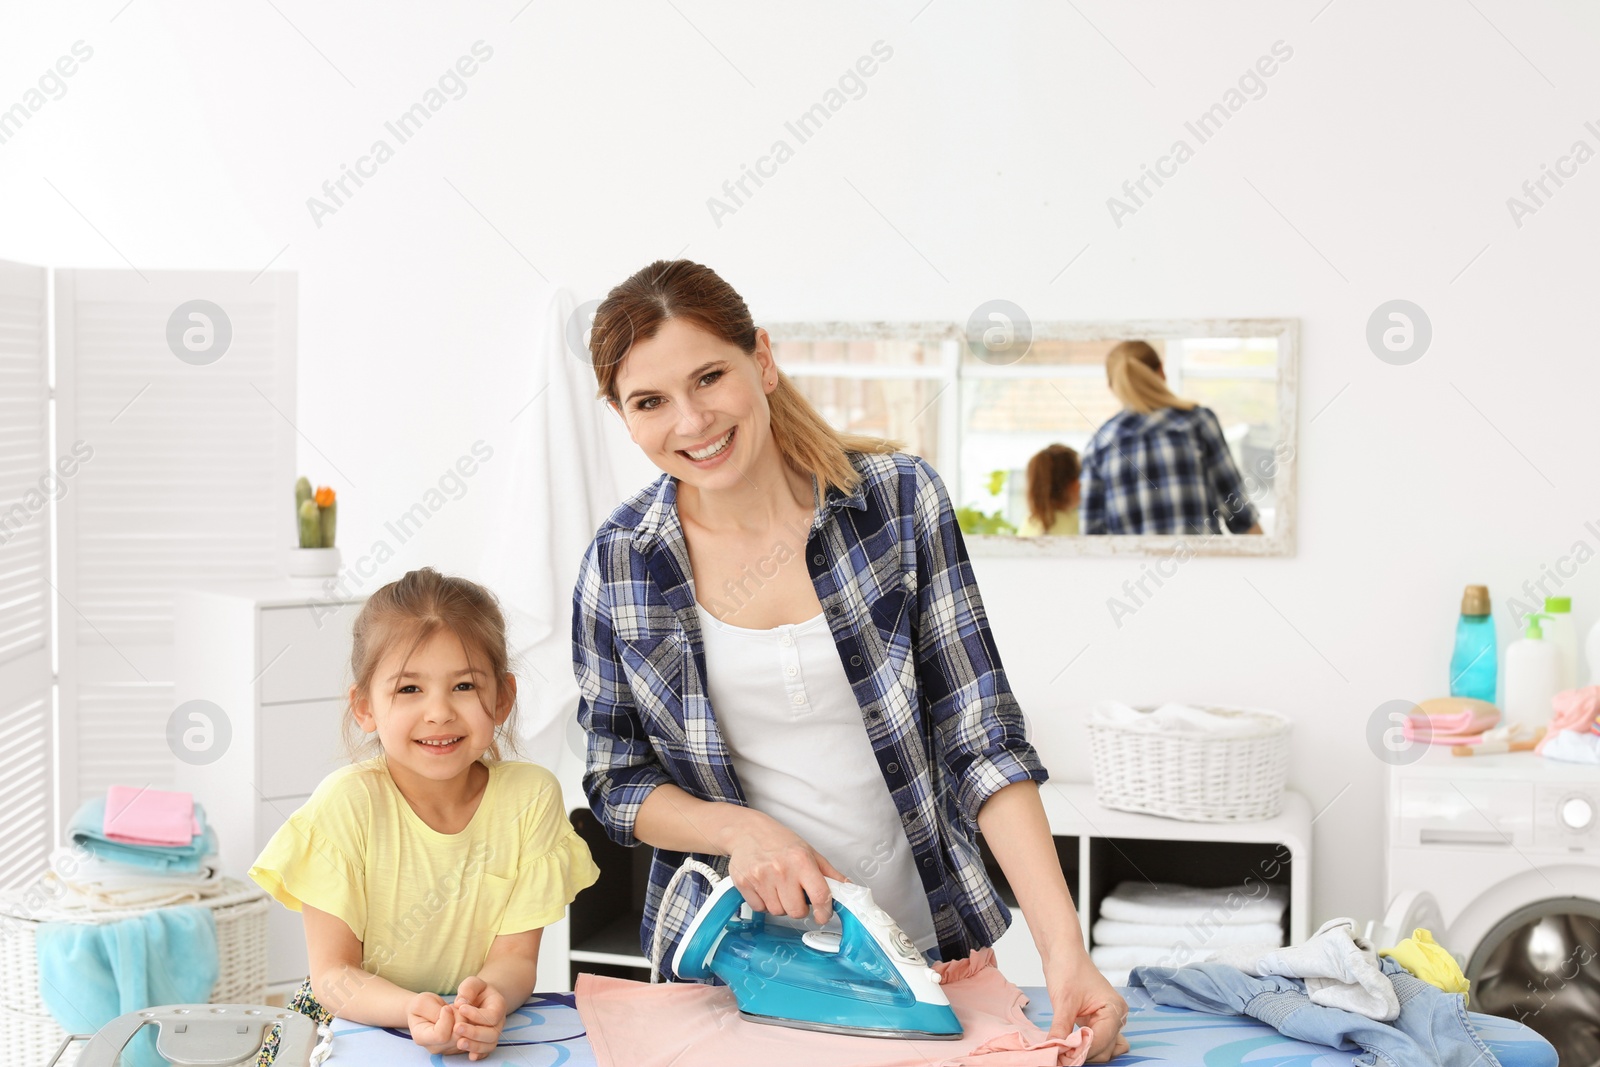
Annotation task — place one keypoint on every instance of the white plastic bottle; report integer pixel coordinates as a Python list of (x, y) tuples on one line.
[(1591, 652), (1558, 629), (1533, 676)]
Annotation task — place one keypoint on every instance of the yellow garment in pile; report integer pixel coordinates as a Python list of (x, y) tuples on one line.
[(426, 905), (1427, 959)]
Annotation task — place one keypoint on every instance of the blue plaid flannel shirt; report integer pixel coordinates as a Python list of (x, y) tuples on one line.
[(1168, 472), (892, 572)]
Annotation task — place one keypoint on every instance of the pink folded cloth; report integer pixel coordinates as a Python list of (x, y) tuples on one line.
[(1572, 709), (149, 816), (634, 1024), (1452, 728)]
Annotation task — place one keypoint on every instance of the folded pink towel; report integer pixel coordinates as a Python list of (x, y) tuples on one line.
[(149, 816), (1452, 728)]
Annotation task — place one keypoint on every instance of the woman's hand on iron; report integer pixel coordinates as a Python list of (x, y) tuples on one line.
[(778, 872), (1081, 996)]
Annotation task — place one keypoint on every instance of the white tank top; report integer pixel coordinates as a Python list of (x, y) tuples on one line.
[(800, 749)]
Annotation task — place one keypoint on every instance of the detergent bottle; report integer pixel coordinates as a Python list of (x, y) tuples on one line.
[(1472, 664), (1533, 676), (1564, 635)]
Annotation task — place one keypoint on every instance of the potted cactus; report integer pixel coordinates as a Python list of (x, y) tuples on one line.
[(316, 514)]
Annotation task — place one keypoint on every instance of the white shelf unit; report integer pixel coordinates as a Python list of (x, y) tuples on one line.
[(274, 658), (1097, 847)]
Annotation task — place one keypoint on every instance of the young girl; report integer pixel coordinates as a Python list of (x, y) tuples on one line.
[(1052, 493), (430, 865)]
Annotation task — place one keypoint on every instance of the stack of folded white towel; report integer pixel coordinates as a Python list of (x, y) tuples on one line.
[(1158, 924)]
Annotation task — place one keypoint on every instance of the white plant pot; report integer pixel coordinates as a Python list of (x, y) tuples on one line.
[(312, 566)]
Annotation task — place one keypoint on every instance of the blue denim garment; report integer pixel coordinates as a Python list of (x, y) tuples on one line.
[(1430, 1032), (1437, 1021)]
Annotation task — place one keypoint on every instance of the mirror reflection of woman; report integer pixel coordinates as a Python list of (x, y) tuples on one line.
[(1161, 464), (784, 665), (1053, 493)]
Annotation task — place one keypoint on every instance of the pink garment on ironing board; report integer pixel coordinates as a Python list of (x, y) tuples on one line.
[(634, 1024), (149, 816), (1573, 709), (1455, 728)]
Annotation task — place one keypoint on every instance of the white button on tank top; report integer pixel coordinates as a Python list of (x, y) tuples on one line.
[(794, 729)]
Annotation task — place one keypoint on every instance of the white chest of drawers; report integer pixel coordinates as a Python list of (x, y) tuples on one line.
[(274, 661)]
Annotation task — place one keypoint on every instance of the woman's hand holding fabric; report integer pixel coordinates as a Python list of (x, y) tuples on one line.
[(1080, 995)]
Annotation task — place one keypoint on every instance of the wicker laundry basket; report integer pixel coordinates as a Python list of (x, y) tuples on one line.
[(32, 1035), (1236, 777)]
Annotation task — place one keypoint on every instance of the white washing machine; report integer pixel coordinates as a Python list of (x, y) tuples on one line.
[(1500, 857)]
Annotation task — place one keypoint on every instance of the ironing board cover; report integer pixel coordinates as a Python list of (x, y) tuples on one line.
[(548, 1032)]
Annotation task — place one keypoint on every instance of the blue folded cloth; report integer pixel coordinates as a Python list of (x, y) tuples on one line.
[(87, 828), (91, 973)]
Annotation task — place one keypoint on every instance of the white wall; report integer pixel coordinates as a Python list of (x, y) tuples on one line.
[(977, 165)]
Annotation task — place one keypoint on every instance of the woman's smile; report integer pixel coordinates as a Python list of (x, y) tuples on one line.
[(712, 453)]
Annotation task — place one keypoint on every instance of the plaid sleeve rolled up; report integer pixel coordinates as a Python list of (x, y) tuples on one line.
[(621, 767), (978, 726)]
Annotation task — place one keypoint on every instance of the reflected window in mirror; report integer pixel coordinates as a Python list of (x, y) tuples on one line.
[(889, 380)]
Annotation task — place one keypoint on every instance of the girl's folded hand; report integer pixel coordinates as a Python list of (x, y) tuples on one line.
[(480, 1017), (432, 1023)]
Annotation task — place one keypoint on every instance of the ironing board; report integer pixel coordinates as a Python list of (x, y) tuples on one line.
[(1156, 1034)]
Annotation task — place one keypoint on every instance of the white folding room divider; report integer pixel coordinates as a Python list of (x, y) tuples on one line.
[(182, 382), (27, 774)]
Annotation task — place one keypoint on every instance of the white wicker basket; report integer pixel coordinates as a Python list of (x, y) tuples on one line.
[(1237, 777), (32, 1035)]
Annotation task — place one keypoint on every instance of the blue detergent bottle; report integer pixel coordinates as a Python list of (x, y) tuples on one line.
[(1472, 665)]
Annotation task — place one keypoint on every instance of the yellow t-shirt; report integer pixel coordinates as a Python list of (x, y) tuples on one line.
[(425, 905), (1065, 525)]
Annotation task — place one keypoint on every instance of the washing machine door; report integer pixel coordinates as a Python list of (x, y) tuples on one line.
[(1540, 965), (1407, 912)]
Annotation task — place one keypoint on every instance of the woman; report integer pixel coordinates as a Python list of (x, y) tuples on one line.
[(1160, 465), (1053, 492), (855, 722)]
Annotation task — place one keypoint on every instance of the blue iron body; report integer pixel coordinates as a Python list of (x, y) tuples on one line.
[(867, 979)]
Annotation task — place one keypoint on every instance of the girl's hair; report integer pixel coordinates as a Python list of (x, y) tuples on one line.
[(1134, 371), (1051, 472), (680, 289), (404, 614)]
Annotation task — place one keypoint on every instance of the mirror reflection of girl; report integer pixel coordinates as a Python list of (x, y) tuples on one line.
[(855, 723), (432, 867), (1160, 465), (1053, 493)]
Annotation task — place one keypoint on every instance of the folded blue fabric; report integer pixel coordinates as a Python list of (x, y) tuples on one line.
[(87, 828), (91, 973)]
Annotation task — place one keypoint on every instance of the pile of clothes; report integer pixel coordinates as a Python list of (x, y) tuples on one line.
[(135, 848), (1406, 1005), (1160, 924), (1574, 732)]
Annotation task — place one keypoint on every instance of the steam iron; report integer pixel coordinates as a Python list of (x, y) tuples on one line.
[(866, 979)]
